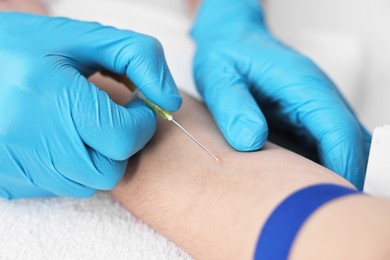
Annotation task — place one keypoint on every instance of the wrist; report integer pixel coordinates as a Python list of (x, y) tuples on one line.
[(218, 17)]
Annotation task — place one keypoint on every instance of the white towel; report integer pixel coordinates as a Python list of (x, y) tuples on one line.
[(62, 228)]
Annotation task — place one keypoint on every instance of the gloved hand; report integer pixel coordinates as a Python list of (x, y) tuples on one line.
[(247, 76), (59, 134)]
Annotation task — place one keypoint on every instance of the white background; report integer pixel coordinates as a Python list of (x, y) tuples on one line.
[(365, 24), (349, 39)]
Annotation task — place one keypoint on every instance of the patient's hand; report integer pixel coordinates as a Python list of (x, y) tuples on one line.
[(174, 185)]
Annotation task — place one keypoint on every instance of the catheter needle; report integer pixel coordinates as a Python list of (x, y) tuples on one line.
[(163, 113), (194, 139)]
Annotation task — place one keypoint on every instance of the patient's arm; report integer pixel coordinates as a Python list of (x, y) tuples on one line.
[(216, 210)]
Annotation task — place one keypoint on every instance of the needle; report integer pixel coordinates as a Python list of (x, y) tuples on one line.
[(193, 138), (163, 113), (168, 116)]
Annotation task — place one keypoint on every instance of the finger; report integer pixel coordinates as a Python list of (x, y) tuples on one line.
[(78, 174), (341, 142), (306, 98), (54, 183), (341, 151), (367, 142), (93, 170), (320, 109), (115, 131), (366, 135), (77, 170), (41, 179), (233, 107), (66, 168), (23, 191), (138, 56)]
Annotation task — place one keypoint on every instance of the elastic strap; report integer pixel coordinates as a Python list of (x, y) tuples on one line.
[(282, 226)]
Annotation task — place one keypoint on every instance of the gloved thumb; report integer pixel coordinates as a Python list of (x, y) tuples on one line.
[(232, 105), (115, 131)]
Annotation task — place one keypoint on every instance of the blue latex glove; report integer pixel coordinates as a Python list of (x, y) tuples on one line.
[(59, 134), (247, 76)]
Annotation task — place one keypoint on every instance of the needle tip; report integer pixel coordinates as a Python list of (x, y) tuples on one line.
[(193, 138)]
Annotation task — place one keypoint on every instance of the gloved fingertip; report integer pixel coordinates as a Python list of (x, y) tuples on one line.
[(174, 103), (247, 135), (360, 187), (356, 175), (358, 182), (249, 140), (161, 90), (172, 100), (351, 168)]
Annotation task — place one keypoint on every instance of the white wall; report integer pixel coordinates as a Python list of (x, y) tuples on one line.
[(350, 39), (362, 27)]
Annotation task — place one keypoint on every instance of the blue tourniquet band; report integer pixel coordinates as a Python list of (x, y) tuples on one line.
[(282, 226)]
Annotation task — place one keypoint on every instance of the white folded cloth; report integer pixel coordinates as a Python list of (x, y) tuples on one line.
[(378, 170), (62, 228)]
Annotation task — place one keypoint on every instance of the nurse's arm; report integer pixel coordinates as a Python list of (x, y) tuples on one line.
[(216, 210)]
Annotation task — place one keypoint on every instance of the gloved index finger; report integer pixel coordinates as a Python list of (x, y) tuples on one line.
[(307, 98), (232, 105), (138, 56), (338, 133), (150, 73)]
